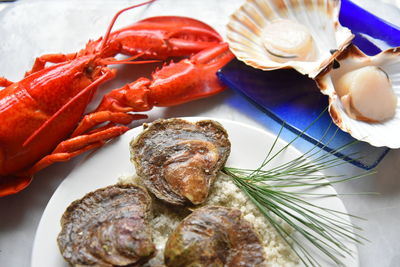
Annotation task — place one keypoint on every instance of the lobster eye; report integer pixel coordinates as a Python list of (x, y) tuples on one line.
[(89, 70)]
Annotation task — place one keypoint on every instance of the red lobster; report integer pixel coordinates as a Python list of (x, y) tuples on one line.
[(42, 116)]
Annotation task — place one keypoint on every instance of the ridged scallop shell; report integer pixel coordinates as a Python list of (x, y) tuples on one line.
[(320, 17), (377, 134)]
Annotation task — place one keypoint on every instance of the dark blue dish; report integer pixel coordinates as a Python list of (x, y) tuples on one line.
[(287, 96)]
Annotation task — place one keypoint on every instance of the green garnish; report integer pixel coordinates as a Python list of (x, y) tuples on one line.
[(322, 228)]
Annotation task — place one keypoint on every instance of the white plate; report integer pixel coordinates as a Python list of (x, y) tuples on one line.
[(105, 166)]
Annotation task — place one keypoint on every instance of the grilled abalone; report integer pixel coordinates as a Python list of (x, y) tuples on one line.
[(178, 160), (108, 227), (214, 236)]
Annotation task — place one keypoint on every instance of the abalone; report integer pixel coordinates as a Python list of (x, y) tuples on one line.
[(214, 236), (178, 160), (108, 227)]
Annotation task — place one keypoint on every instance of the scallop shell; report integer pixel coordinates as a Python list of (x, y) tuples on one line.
[(320, 17), (377, 134)]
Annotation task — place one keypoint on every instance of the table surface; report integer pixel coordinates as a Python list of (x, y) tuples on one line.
[(21, 213)]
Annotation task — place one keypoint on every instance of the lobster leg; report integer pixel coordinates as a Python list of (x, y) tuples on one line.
[(40, 62), (115, 107), (64, 151), (78, 145), (97, 118), (4, 82)]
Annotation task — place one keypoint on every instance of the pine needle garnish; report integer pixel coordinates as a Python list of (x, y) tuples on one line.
[(281, 193)]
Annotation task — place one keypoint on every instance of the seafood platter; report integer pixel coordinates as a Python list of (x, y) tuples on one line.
[(176, 215), (192, 191)]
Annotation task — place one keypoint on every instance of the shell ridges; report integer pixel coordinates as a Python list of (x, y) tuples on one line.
[(320, 17)]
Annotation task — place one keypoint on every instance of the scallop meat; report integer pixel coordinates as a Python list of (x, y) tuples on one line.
[(363, 95)]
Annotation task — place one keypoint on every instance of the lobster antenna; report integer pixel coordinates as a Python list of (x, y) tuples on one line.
[(105, 39)]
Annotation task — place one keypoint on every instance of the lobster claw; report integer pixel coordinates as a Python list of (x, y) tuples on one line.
[(184, 36), (159, 38), (173, 84), (190, 79)]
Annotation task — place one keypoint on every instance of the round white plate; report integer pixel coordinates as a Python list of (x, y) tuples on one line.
[(106, 165)]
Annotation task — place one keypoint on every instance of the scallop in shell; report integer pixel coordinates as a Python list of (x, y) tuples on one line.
[(363, 95), (301, 34), (178, 160)]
